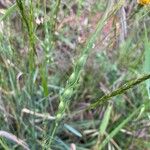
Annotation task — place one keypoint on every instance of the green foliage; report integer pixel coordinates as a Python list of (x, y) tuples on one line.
[(120, 126), (147, 60), (8, 12), (105, 120)]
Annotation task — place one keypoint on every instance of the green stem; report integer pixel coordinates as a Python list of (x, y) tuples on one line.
[(28, 20), (120, 90)]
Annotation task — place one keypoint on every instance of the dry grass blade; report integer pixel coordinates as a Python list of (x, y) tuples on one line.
[(44, 116), (14, 139)]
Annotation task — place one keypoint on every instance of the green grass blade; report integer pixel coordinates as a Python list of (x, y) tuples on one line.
[(120, 126), (8, 12), (105, 120), (3, 145), (147, 60), (73, 130)]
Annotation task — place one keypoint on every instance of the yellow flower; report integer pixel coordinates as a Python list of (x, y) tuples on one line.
[(143, 2)]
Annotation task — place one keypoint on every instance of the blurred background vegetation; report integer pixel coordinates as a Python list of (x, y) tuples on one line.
[(41, 42)]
